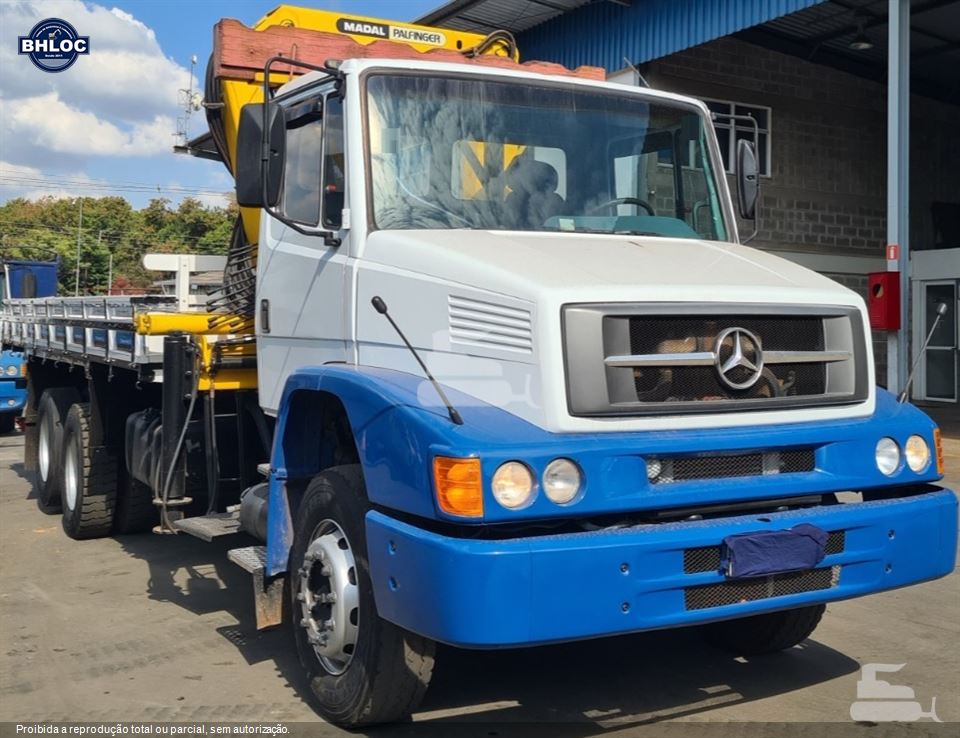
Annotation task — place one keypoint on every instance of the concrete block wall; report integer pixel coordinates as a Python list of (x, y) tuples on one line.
[(826, 192)]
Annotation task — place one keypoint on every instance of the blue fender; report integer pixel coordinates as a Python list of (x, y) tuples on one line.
[(398, 424)]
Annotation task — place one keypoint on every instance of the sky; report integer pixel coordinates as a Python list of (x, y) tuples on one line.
[(106, 125)]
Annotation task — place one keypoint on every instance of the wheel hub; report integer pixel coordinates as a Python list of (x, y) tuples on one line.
[(329, 598), (70, 481), (43, 451)]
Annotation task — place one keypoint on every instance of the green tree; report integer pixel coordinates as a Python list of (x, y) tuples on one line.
[(48, 228)]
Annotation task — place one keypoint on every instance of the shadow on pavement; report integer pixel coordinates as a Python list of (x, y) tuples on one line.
[(580, 689)]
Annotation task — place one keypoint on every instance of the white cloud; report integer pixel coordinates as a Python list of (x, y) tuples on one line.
[(126, 74), (49, 123), (17, 180), (118, 102)]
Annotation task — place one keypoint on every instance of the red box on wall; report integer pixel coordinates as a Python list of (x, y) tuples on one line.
[(883, 300)]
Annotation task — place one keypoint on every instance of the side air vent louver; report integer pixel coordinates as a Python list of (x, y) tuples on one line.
[(489, 325)]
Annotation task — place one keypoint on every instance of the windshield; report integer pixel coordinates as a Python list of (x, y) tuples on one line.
[(455, 152)]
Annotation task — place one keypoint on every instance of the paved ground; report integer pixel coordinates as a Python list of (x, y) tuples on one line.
[(150, 628)]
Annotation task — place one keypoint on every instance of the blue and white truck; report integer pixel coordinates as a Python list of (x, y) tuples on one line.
[(505, 367), (20, 279)]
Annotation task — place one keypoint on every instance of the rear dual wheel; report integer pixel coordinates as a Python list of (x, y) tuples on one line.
[(89, 476), (52, 412)]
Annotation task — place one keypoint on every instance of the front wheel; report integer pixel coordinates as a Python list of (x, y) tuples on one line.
[(767, 633), (362, 670), (8, 421)]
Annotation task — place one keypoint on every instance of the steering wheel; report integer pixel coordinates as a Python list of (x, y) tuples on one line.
[(624, 201)]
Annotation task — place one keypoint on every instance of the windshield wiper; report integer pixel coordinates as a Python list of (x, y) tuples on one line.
[(603, 232)]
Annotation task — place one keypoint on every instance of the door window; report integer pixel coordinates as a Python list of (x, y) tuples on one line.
[(941, 356)]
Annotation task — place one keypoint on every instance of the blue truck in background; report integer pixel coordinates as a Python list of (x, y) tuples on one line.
[(20, 278)]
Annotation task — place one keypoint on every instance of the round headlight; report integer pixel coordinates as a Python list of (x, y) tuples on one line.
[(561, 481), (888, 456), (918, 453), (513, 485), (11, 370)]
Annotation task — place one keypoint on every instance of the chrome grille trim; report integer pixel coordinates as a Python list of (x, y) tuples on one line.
[(706, 358)]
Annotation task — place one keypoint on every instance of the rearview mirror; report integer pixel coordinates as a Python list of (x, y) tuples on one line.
[(748, 179), (258, 179)]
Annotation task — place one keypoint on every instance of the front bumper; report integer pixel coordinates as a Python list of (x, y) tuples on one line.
[(525, 591), (12, 395)]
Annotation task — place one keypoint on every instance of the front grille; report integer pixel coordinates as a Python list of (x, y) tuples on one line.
[(727, 466), (707, 558), (660, 359), (662, 335), (760, 588)]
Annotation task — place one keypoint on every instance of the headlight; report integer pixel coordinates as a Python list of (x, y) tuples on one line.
[(888, 456), (11, 371), (918, 453), (513, 485), (561, 481)]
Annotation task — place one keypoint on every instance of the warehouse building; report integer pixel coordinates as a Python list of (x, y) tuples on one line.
[(857, 105)]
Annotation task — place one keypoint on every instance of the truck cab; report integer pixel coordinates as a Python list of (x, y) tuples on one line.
[(19, 279)]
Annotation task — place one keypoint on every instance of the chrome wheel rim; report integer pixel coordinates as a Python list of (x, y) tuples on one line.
[(43, 451), (70, 479), (329, 597)]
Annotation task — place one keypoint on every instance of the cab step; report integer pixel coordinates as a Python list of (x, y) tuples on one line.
[(267, 595), (252, 558), (208, 527)]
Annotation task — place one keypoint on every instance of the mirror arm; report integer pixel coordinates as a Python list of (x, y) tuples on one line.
[(330, 238)]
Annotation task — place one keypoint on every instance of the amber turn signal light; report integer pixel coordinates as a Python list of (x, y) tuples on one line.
[(938, 449), (459, 486)]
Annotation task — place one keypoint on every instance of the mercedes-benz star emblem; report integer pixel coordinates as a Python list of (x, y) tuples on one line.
[(739, 358)]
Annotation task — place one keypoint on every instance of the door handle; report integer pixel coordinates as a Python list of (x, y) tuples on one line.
[(264, 316)]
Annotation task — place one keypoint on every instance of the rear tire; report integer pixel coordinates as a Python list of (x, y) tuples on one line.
[(89, 479), (768, 633), (369, 671), (8, 422), (51, 416)]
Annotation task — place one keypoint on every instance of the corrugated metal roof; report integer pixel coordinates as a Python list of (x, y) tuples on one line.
[(611, 36), (483, 16), (607, 32)]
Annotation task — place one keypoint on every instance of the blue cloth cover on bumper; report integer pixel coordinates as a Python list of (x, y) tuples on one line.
[(772, 551)]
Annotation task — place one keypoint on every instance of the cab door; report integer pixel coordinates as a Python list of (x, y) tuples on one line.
[(300, 283)]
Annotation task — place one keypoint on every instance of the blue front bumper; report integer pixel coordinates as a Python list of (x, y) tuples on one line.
[(12, 395), (541, 589)]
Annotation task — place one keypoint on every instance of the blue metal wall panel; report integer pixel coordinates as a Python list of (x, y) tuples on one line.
[(605, 34)]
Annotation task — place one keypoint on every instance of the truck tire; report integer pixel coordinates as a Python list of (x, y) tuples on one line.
[(51, 415), (136, 512), (767, 633), (89, 479), (7, 422), (361, 669)]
